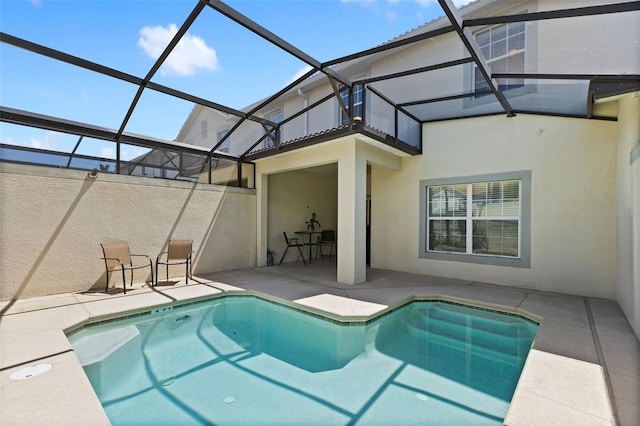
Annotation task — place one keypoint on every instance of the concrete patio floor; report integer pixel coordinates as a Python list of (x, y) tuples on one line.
[(583, 369)]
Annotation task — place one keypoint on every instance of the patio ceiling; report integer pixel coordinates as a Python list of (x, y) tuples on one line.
[(138, 91)]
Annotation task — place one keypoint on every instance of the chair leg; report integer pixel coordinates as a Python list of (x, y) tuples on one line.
[(156, 283), (106, 287), (124, 281), (186, 275), (283, 255), (302, 255)]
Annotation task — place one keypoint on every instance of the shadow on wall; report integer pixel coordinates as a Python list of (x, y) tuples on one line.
[(229, 239), (88, 182), (115, 275)]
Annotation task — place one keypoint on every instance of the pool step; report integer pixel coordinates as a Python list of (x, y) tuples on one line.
[(97, 347), (489, 333)]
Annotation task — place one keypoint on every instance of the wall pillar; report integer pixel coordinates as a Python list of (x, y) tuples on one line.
[(352, 192), (262, 197), (626, 212)]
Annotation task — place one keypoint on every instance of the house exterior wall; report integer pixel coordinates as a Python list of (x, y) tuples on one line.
[(549, 46), (54, 220), (631, 305), (626, 210), (573, 168)]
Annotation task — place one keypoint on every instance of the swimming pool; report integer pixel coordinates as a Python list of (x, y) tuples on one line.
[(245, 360)]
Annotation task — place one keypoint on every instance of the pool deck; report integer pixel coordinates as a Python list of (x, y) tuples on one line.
[(584, 368)]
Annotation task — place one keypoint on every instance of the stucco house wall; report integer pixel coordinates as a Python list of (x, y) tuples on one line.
[(626, 211), (53, 222), (573, 167)]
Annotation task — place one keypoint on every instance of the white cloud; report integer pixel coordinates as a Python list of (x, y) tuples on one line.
[(302, 71), (460, 3), (364, 2), (190, 55), (107, 153), (457, 3), (48, 141)]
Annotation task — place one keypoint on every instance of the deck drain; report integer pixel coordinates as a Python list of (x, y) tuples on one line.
[(29, 372), (182, 318), (167, 382), (229, 400), (422, 397)]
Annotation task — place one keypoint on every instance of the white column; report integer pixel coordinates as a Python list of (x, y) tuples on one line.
[(627, 215), (262, 199), (352, 190)]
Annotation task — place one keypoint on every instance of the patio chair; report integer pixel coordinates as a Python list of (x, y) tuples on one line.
[(326, 239), (178, 253), (292, 242), (117, 255)]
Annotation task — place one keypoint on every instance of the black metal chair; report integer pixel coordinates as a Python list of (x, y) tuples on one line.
[(117, 255), (293, 242), (326, 239), (178, 253)]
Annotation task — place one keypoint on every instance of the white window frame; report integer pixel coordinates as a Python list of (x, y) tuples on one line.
[(204, 130), (269, 141), (222, 131), (524, 221), (358, 102), (490, 58)]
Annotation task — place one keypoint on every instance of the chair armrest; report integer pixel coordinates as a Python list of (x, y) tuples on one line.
[(114, 258), (139, 255)]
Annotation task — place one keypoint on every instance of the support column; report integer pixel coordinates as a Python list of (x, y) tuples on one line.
[(262, 196), (352, 192), (627, 214)]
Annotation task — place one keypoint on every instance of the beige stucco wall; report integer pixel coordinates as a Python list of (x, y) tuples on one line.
[(53, 222), (632, 306), (573, 165), (289, 195), (626, 210)]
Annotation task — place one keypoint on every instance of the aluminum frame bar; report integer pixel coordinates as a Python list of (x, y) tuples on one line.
[(556, 14), (120, 75), (262, 105), (417, 70), (391, 45), (474, 50), (259, 30), (156, 66), (25, 118)]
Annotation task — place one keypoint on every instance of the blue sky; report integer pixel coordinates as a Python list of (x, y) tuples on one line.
[(218, 60)]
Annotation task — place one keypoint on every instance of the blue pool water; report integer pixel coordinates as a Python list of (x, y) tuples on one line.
[(244, 360)]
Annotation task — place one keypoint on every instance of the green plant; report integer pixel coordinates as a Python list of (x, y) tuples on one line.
[(311, 223)]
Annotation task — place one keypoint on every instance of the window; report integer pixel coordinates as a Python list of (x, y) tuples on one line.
[(203, 129), (482, 219), (503, 47), (357, 103), (274, 137), (221, 134)]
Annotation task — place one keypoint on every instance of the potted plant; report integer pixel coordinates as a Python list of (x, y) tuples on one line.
[(311, 223)]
